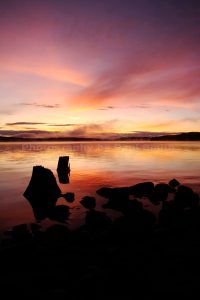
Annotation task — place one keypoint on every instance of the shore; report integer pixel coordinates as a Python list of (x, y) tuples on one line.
[(134, 256)]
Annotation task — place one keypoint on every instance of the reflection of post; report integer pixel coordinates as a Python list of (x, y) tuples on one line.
[(63, 169)]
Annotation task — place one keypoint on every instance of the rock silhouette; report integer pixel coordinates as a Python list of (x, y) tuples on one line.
[(59, 213), (102, 253), (143, 189), (160, 193), (42, 192), (95, 220), (174, 183), (69, 197)]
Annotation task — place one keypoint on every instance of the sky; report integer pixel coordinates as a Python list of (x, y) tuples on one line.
[(104, 68)]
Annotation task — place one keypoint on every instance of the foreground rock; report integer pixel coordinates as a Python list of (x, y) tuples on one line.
[(95, 221), (42, 192)]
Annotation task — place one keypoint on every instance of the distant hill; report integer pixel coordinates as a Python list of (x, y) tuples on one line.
[(188, 136), (65, 139)]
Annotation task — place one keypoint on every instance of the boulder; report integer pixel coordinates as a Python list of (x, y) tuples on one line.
[(42, 192), (59, 213), (88, 202), (69, 197), (143, 189), (185, 197), (174, 183)]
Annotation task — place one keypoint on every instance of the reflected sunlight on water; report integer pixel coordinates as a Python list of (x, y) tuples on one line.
[(93, 165)]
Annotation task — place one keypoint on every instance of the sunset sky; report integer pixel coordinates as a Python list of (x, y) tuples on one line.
[(99, 68)]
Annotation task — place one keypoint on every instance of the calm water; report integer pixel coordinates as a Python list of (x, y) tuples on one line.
[(93, 165)]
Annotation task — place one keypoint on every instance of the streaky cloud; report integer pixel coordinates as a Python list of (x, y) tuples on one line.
[(63, 125), (25, 123), (107, 108), (40, 105)]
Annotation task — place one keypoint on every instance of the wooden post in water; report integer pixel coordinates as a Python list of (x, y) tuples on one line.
[(63, 169)]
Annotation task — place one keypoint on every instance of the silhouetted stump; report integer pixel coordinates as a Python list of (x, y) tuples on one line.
[(143, 189), (63, 169), (42, 192)]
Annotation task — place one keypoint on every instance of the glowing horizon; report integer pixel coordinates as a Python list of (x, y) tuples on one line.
[(94, 69)]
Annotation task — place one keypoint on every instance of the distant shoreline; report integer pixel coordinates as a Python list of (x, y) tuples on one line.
[(190, 136)]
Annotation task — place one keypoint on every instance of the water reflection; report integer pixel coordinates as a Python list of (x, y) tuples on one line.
[(93, 165)]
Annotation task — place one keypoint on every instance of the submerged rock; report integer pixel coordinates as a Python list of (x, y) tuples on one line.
[(88, 202), (69, 197)]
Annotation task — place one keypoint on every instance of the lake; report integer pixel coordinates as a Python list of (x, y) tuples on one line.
[(93, 165)]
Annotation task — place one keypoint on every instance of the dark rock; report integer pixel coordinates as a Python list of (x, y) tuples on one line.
[(8, 233), (88, 202), (21, 233), (59, 213), (113, 192), (58, 232), (143, 189), (117, 198), (160, 193), (20, 228), (118, 204), (104, 192), (35, 227), (42, 192), (185, 197), (97, 220), (174, 183), (132, 208), (140, 222), (70, 197)]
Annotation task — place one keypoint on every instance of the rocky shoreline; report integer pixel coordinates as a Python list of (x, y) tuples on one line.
[(136, 254)]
